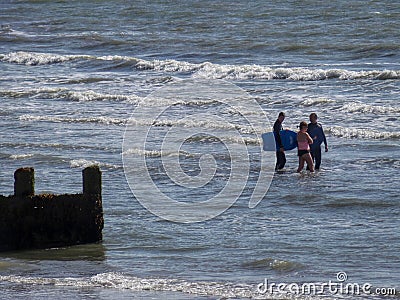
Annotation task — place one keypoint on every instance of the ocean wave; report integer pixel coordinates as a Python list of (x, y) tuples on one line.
[(220, 290), (39, 58), (345, 132), (208, 70), (21, 156), (36, 58), (92, 96), (57, 119), (355, 202), (119, 281), (40, 92), (316, 101), (83, 163), (56, 146), (66, 94), (37, 157), (157, 153), (274, 264), (357, 107), (147, 153)]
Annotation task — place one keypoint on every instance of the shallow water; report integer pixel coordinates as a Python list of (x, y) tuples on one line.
[(72, 75)]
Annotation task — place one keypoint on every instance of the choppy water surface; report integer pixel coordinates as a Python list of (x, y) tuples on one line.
[(72, 74)]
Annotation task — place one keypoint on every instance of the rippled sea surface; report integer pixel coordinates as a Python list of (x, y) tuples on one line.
[(72, 74)]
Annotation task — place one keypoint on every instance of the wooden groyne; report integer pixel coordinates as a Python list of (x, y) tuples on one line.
[(29, 221)]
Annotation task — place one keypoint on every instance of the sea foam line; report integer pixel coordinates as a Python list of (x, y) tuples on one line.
[(63, 93), (124, 282), (361, 133), (208, 70), (83, 163), (356, 107), (58, 119), (92, 96)]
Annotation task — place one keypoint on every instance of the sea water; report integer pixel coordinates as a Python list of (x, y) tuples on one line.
[(73, 73)]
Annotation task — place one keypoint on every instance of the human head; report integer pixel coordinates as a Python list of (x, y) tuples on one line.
[(313, 118), (281, 116), (303, 126)]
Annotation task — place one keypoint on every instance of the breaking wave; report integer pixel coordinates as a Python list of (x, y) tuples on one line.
[(220, 290), (83, 163), (62, 93), (207, 70), (124, 282), (58, 119), (35, 58), (356, 107), (21, 156), (92, 96), (316, 101), (343, 132)]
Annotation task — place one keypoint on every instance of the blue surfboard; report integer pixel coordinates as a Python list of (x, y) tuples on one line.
[(288, 137)]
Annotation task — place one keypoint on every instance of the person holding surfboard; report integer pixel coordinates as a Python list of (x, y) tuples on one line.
[(303, 144), (280, 154), (317, 134)]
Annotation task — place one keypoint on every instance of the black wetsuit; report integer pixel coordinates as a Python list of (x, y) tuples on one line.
[(280, 156), (315, 130)]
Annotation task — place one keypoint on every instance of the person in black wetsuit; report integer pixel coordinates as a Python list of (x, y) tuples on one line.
[(317, 134), (280, 154)]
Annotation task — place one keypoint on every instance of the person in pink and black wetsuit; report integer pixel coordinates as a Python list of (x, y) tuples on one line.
[(303, 145)]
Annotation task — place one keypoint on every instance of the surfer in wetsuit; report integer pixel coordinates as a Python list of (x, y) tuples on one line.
[(303, 144), (317, 134), (280, 154)]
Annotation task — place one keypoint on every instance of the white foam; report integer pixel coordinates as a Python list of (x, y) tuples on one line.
[(83, 163), (147, 153), (215, 71), (21, 156), (90, 95), (118, 281), (42, 92), (358, 107), (36, 58), (346, 132), (209, 70), (124, 282), (316, 101), (60, 119)]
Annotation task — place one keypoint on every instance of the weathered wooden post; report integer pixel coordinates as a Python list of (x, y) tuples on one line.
[(24, 182), (91, 180), (29, 221)]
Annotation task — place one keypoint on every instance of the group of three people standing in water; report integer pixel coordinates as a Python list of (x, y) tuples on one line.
[(309, 139)]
